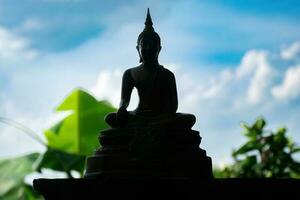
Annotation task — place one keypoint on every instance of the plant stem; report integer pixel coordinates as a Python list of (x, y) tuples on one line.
[(23, 128)]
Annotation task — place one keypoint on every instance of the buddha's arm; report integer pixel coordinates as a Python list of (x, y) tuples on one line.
[(174, 97), (127, 86)]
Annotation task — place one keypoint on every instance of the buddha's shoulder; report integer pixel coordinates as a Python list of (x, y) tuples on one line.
[(166, 71), (131, 71), (137, 69)]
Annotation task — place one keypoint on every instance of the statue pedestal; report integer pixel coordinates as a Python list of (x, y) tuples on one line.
[(142, 152), (111, 188)]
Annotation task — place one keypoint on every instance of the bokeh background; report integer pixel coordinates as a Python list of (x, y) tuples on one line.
[(234, 61)]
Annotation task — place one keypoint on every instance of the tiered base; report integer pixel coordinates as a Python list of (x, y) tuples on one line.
[(160, 152)]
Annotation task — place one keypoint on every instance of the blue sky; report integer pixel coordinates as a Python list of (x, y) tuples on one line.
[(234, 61)]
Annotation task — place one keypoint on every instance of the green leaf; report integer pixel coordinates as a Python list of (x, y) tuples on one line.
[(12, 174), (296, 167), (25, 192), (250, 161), (280, 140), (246, 127), (249, 146), (295, 150), (255, 130), (259, 124), (273, 157), (77, 133), (61, 161)]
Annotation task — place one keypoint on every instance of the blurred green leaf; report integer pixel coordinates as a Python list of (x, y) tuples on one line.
[(249, 146), (259, 124), (295, 150), (254, 131), (61, 161), (249, 161), (296, 167), (69, 142), (280, 139), (77, 133), (12, 174), (24, 192), (265, 154)]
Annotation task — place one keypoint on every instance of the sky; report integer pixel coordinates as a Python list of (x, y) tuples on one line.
[(234, 61)]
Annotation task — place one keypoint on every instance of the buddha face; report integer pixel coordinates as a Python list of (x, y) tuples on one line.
[(148, 49)]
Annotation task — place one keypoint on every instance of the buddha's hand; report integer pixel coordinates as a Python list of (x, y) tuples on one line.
[(122, 114)]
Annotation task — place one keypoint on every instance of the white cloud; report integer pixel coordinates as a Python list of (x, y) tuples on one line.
[(250, 82), (12, 137), (15, 142), (290, 87), (208, 95), (255, 64), (218, 85), (291, 51), (14, 48), (248, 64), (108, 86), (252, 79)]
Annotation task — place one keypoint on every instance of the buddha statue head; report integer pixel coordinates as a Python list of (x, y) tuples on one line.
[(148, 43)]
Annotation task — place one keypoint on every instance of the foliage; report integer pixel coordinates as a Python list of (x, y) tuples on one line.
[(12, 174), (266, 154), (75, 137), (68, 143), (60, 161), (77, 133)]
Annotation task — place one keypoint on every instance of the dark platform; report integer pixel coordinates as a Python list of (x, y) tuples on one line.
[(150, 152), (141, 188)]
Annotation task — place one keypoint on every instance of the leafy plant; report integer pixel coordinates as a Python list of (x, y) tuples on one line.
[(12, 174), (77, 133), (266, 154), (68, 143), (75, 137)]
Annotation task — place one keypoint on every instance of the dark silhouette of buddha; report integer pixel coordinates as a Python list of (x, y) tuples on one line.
[(153, 140), (156, 88)]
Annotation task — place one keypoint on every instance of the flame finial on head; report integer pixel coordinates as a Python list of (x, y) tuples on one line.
[(148, 22), (149, 31)]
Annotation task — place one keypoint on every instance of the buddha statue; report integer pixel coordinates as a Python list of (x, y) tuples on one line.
[(153, 140), (156, 88)]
